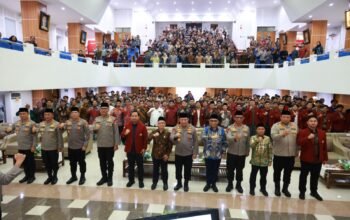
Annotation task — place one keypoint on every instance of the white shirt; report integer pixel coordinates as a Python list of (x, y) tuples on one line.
[(155, 114), (198, 118)]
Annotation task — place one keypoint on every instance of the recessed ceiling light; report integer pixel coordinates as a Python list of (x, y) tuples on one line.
[(63, 8), (174, 3), (331, 4), (157, 3), (253, 2), (135, 3), (82, 19), (310, 16), (210, 3), (192, 2), (329, 24), (228, 2), (275, 1)]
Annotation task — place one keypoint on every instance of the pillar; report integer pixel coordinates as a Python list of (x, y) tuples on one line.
[(99, 39), (291, 40), (30, 12), (318, 32), (74, 31), (347, 39)]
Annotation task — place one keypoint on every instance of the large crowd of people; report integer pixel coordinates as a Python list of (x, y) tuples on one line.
[(275, 129)]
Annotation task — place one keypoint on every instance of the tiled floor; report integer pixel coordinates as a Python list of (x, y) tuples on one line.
[(36, 201)]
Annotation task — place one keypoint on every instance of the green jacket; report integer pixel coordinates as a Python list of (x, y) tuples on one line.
[(261, 151)]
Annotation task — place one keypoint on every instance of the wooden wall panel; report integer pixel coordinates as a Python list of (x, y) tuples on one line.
[(261, 35), (291, 40), (99, 39), (344, 100), (74, 45), (318, 32), (30, 13), (347, 39)]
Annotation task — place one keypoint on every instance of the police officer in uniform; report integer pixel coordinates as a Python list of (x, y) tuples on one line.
[(78, 138), (27, 141), (51, 144), (184, 136), (238, 136), (108, 140), (284, 136)]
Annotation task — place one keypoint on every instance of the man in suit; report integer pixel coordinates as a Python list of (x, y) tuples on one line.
[(6, 178), (313, 152)]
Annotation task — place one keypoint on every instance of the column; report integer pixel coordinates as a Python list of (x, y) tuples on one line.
[(291, 39), (347, 39), (318, 32), (30, 12), (99, 39), (74, 31)]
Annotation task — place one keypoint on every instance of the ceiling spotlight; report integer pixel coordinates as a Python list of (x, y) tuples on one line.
[(331, 4), (135, 3), (229, 2), (210, 3), (63, 8), (192, 2), (82, 19), (174, 3), (275, 1), (157, 3), (329, 24), (310, 16)]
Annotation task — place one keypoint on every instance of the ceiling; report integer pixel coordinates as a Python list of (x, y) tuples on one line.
[(330, 10), (193, 6), (59, 14)]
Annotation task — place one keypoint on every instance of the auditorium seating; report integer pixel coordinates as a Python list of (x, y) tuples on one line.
[(5, 43), (65, 55)]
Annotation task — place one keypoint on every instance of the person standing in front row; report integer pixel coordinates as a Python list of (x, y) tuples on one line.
[(261, 158), (6, 178), (78, 137), (135, 136), (238, 136), (285, 149), (51, 145), (215, 144), (27, 141), (161, 150), (107, 143), (313, 153), (184, 136)]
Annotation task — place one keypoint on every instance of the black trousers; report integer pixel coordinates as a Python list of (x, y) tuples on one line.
[(50, 159), (314, 169), (138, 159), (212, 170), (186, 163), (235, 163), (263, 174), (76, 156), (28, 163), (164, 170), (282, 163), (106, 154)]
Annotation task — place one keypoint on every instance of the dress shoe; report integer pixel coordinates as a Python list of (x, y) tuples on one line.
[(286, 193), (72, 180), (215, 188), (130, 183), (154, 186), (82, 180), (316, 196), (54, 180), (229, 187), (141, 185), (30, 180), (302, 196), (186, 188), (102, 181), (47, 181), (178, 186), (24, 179), (239, 188), (165, 187), (206, 188), (251, 192), (264, 192)]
